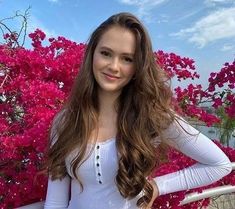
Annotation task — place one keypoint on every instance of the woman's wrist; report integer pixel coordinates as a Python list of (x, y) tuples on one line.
[(155, 188)]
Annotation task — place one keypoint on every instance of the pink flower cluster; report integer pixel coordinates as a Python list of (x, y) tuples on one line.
[(226, 76), (189, 98), (34, 83), (174, 65)]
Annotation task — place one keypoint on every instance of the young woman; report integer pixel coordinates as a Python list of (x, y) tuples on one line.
[(109, 136)]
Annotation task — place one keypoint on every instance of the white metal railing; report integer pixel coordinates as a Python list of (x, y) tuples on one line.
[(37, 205), (192, 197), (208, 193)]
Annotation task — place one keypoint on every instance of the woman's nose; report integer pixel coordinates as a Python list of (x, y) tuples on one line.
[(114, 64)]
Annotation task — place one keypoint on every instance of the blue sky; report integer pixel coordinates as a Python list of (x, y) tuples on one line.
[(200, 29)]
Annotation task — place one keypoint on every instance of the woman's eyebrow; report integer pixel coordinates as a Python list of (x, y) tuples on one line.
[(109, 49)]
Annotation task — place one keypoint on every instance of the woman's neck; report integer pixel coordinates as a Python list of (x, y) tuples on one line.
[(107, 102)]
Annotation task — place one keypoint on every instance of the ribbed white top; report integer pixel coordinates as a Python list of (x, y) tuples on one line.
[(99, 170)]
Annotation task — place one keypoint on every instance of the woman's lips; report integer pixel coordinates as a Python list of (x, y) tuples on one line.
[(110, 77)]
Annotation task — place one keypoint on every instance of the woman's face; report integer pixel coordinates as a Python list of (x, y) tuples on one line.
[(113, 59)]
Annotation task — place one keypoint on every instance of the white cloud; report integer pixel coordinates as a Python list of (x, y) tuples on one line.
[(219, 1), (35, 23), (143, 3), (216, 2), (144, 6), (54, 1), (130, 2), (227, 47), (217, 25), (189, 14)]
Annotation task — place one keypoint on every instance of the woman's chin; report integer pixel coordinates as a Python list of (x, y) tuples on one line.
[(109, 90)]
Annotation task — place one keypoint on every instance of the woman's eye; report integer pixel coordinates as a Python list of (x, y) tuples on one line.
[(128, 59), (105, 53)]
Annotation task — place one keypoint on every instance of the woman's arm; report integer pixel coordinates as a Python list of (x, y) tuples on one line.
[(58, 194), (212, 164), (58, 191)]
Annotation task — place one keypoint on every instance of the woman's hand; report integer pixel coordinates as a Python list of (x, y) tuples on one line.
[(155, 193)]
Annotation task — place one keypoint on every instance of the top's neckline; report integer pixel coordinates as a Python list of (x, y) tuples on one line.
[(104, 142)]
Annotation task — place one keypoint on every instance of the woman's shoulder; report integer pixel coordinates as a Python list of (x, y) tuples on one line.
[(56, 123), (59, 115)]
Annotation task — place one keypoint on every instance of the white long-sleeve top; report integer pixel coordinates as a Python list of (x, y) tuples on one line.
[(99, 170)]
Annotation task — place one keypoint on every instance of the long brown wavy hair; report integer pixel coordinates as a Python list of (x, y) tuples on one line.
[(144, 111)]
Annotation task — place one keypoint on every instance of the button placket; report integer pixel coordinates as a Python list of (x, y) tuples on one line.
[(97, 164)]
